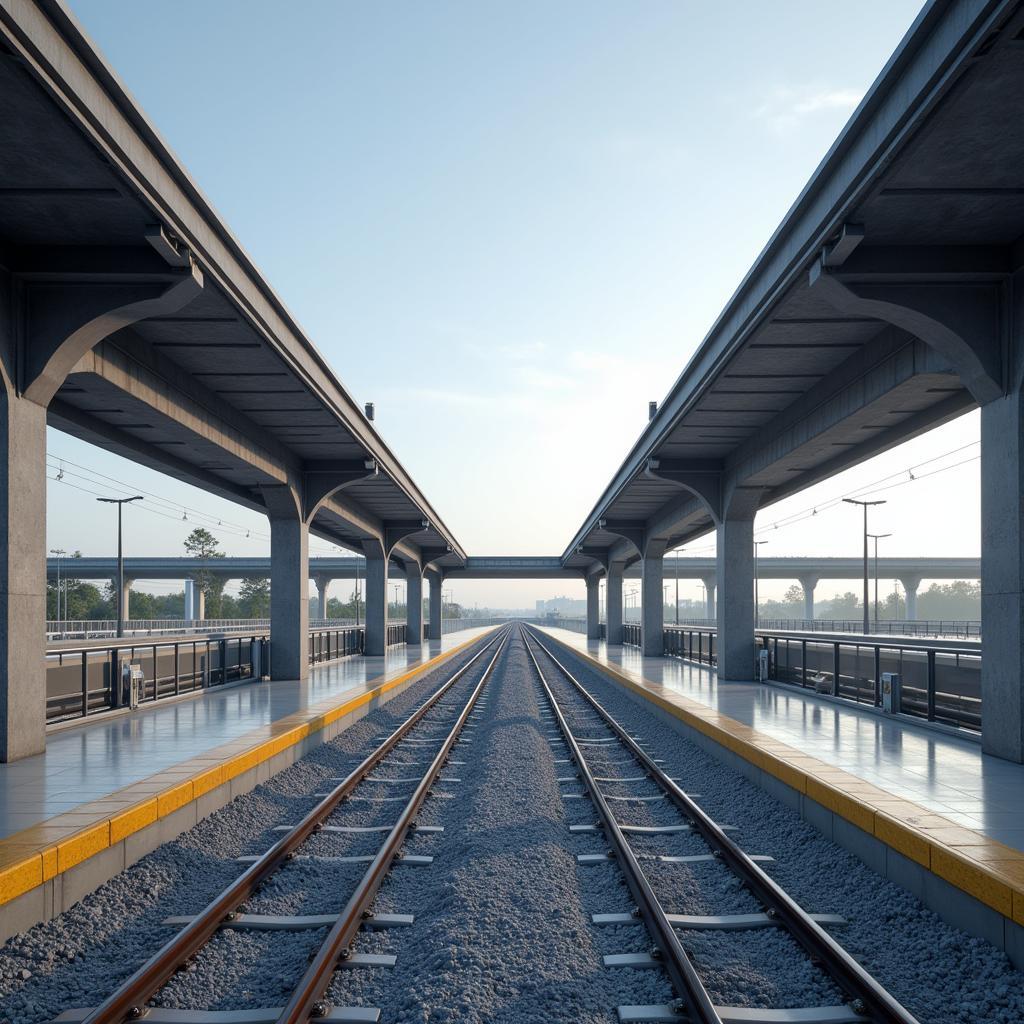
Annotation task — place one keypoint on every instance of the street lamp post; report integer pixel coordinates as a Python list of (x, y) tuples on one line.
[(865, 505), (757, 587), (120, 503), (394, 587), (877, 537)]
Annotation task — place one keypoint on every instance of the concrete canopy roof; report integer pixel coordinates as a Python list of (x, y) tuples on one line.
[(227, 392), (923, 189)]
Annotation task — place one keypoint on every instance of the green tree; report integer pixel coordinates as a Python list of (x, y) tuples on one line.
[(202, 545), (254, 599)]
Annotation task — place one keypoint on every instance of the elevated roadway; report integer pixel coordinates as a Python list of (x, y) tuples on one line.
[(323, 570)]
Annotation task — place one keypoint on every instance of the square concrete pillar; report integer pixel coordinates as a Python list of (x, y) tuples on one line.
[(413, 605), (652, 596), (22, 577), (1002, 577), (735, 641), (593, 608), (289, 598), (613, 607), (376, 635), (434, 623)]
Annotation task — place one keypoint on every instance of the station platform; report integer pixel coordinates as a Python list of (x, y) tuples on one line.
[(925, 808), (110, 789)]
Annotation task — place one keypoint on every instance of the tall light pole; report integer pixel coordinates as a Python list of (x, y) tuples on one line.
[(865, 505), (877, 537), (757, 588), (60, 553), (120, 503), (394, 587)]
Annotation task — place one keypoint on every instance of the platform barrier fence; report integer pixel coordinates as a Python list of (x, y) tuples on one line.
[(965, 629), (88, 680), (934, 681)]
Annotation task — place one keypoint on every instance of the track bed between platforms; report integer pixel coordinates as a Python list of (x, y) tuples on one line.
[(502, 926)]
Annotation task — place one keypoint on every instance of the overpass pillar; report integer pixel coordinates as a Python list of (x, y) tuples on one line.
[(710, 583), (808, 583), (376, 636), (736, 601), (322, 583), (652, 628), (126, 596), (413, 604), (593, 607), (22, 575), (910, 585), (289, 597), (195, 601), (613, 606), (436, 581)]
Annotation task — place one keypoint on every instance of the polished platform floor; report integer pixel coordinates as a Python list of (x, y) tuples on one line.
[(88, 762), (944, 773)]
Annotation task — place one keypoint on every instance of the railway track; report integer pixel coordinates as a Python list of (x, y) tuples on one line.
[(567, 698), (130, 1000)]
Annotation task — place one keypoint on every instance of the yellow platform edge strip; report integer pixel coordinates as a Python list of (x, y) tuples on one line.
[(984, 868), (36, 854)]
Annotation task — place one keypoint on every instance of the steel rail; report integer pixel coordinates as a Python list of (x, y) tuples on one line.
[(867, 995), (127, 1001), (678, 965), (307, 1000)]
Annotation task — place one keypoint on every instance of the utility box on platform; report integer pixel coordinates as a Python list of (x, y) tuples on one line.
[(762, 666), (891, 692)]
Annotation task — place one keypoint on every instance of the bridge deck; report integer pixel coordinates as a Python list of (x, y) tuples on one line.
[(903, 797)]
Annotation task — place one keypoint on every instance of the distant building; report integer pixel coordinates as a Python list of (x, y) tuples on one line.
[(564, 607)]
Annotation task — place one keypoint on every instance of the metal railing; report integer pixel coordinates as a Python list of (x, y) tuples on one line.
[(86, 629), (939, 681), (454, 625), (87, 680), (82, 681), (952, 628)]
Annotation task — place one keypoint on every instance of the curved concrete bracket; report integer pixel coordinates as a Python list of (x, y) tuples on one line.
[(67, 320), (961, 320), (704, 483), (282, 501), (320, 484)]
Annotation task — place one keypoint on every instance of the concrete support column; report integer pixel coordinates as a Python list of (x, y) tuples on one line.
[(289, 598), (376, 605), (808, 583), (613, 606), (322, 583), (710, 583), (22, 577), (413, 604), (593, 607), (910, 585), (652, 612), (736, 602), (1002, 575), (434, 623)]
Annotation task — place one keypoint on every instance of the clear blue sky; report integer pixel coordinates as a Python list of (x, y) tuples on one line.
[(508, 225)]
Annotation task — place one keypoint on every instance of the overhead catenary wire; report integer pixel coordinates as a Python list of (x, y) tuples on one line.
[(155, 504)]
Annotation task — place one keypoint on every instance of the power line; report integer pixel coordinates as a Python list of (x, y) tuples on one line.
[(166, 508)]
